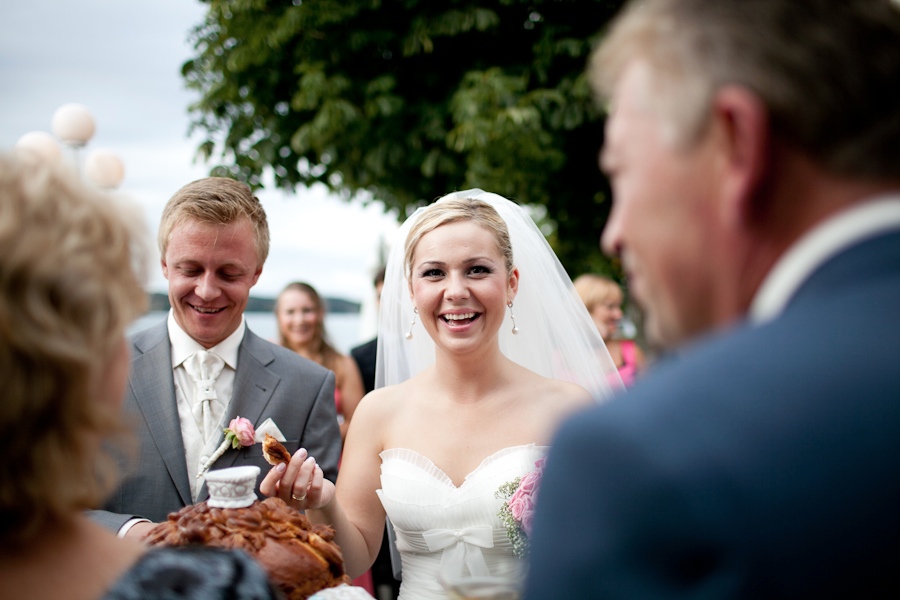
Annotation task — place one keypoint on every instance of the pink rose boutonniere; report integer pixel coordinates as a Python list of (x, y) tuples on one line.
[(517, 512), (240, 433)]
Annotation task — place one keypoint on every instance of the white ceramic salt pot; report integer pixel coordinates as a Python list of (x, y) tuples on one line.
[(232, 488)]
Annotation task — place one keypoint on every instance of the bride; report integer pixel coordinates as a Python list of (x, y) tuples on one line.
[(483, 348)]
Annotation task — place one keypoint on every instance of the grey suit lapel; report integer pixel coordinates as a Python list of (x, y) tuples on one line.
[(254, 385), (153, 388)]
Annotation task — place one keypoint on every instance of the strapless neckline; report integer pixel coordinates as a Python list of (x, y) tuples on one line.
[(429, 467), (441, 526)]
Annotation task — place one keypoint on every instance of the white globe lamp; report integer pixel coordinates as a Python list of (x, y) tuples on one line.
[(73, 124), (104, 169)]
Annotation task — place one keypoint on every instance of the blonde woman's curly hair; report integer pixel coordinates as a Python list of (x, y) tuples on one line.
[(72, 265)]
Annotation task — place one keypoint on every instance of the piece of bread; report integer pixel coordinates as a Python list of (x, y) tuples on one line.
[(274, 452)]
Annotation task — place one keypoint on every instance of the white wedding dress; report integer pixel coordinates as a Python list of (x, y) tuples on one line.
[(444, 528)]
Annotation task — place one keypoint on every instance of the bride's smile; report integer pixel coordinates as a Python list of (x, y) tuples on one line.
[(459, 319)]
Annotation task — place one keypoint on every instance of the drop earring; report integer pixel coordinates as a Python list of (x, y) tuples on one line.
[(515, 330), (411, 323)]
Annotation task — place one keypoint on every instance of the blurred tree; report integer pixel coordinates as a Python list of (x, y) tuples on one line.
[(408, 100)]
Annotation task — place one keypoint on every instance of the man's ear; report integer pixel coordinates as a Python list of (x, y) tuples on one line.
[(743, 122)]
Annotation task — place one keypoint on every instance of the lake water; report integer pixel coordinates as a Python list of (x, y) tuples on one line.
[(344, 329)]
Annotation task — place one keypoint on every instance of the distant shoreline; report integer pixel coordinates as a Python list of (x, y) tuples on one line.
[(344, 329), (160, 302)]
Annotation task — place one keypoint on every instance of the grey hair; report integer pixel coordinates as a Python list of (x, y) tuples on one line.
[(828, 72)]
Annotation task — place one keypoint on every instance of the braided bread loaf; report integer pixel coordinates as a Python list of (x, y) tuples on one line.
[(300, 558)]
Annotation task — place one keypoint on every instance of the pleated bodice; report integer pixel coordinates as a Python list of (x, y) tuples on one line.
[(442, 527)]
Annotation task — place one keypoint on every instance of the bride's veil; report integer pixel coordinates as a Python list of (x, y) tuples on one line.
[(556, 338)]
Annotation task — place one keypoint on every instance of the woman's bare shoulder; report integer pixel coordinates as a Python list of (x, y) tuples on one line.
[(570, 395), (554, 398), (542, 388), (383, 401)]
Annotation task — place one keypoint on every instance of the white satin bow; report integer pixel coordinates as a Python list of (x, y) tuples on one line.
[(461, 547)]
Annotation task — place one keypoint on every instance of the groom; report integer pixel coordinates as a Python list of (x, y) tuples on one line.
[(213, 240), (753, 153)]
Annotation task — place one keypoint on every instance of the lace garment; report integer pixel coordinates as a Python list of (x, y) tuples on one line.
[(441, 527)]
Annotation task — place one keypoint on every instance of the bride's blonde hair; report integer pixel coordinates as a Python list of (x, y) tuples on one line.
[(451, 211)]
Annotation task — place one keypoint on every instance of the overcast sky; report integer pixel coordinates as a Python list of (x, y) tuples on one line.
[(122, 60)]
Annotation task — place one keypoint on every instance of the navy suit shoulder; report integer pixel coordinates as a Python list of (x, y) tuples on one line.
[(760, 462)]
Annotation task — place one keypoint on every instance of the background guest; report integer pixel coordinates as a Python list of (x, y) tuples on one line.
[(603, 299), (300, 312), (71, 284), (202, 367), (752, 151)]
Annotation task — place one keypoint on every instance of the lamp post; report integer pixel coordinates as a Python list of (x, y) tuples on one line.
[(74, 126)]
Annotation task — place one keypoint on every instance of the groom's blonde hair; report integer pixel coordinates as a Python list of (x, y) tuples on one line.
[(216, 200)]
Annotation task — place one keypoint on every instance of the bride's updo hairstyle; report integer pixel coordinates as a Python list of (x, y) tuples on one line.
[(451, 211)]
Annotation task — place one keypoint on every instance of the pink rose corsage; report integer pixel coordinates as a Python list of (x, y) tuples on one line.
[(240, 433)]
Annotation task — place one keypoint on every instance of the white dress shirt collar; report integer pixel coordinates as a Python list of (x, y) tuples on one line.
[(184, 345), (879, 215)]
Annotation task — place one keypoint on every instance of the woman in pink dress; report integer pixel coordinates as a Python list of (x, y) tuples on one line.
[(603, 298)]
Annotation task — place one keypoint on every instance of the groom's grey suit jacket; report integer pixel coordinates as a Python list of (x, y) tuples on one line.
[(270, 382)]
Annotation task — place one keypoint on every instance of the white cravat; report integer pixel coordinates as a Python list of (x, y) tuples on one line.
[(204, 368), (198, 447)]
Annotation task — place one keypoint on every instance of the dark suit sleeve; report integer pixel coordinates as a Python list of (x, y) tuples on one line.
[(365, 356), (612, 523), (322, 435)]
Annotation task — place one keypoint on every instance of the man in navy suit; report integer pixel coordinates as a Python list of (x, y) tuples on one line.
[(754, 155)]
